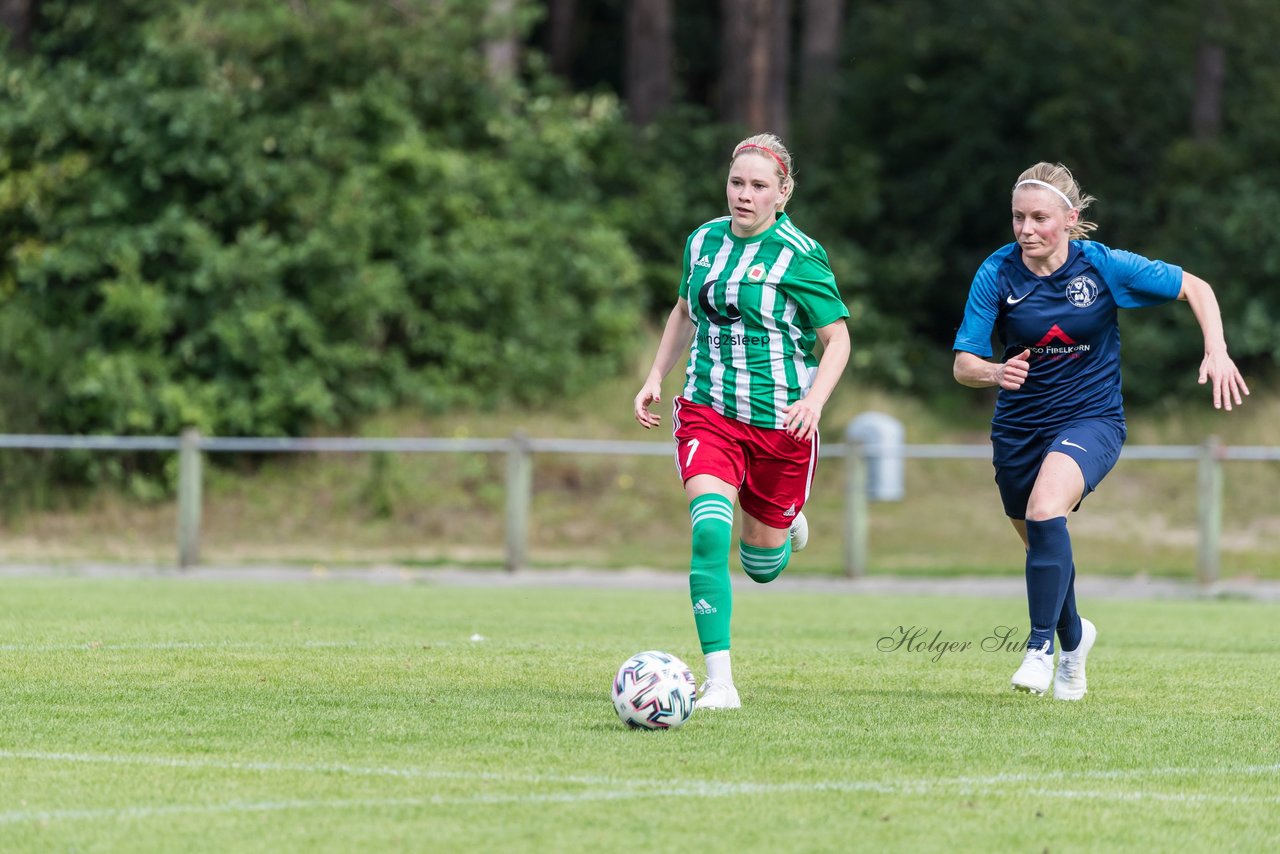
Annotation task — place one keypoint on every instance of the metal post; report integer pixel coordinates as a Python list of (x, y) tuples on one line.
[(189, 490), (1209, 511), (856, 506), (519, 497)]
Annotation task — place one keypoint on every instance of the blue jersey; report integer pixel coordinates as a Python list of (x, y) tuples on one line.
[(1068, 322)]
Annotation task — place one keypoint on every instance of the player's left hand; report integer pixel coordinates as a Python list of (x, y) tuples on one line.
[(1228, 383), (800, 419)]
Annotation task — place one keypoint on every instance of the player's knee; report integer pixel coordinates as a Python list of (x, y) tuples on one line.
[(1047, 504), (1037, 514), (710, 542), (761, 564), (1043, 511)]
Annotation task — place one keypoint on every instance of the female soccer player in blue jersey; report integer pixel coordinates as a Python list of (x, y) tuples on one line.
[(756, 294), (1052, 298)]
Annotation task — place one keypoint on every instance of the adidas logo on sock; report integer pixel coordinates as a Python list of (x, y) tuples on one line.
[(702, 606)]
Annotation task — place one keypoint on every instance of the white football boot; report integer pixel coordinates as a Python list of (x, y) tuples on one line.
[(1036, 673), (717, 695), (799, 532), (1069, 681)]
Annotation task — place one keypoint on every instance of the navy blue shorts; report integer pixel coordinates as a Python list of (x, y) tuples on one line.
[(1017, 454)]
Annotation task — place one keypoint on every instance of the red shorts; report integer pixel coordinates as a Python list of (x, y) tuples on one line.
[(771, 469)]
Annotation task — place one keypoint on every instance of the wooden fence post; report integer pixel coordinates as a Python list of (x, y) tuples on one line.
[(1209, 511), (519, 498), (189, 497)]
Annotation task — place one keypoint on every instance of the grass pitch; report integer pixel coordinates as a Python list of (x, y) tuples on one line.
[(166, 714)]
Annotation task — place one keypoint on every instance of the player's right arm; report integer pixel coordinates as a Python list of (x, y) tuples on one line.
[(676, 338), (976, 372), (973, 341)]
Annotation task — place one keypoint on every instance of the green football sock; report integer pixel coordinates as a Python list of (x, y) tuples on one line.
[(764, 565), (709, 588)]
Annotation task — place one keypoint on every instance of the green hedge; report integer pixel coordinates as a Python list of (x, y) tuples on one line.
[(260, 220)]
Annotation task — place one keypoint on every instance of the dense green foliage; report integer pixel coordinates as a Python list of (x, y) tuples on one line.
[(259, 220), (940, 105), (953, 100)]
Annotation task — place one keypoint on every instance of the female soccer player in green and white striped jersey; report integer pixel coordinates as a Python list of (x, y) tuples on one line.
[(755, 295)]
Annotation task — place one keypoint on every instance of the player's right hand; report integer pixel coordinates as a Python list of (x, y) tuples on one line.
[(1013, 373), (651, 393)]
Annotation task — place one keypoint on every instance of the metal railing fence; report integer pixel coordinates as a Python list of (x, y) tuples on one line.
[(521, 449)]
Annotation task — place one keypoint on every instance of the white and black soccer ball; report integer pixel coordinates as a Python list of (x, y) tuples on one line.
[(654, 690)]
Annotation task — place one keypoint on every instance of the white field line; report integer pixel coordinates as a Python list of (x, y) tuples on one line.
[(411, 772), (604, 788), (46, 816), (311, 768), (92, 646), (719, 790)]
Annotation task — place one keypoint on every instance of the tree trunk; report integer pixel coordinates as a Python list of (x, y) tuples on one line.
[(819, 64), (15, 16), (560, 17), (502, 50), (735, 36), (649, 59), (754, 89), (777, 117), (1211, 75)]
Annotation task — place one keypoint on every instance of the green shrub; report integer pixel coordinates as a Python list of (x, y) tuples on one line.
[(267, 218)]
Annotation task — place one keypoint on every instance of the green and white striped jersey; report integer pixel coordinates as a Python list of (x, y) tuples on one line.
[(755, 303)]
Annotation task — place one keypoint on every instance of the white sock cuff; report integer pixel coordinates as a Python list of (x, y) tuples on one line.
[(718, 667)]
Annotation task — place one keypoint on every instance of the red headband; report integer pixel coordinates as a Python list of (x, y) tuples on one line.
[(781, 165)]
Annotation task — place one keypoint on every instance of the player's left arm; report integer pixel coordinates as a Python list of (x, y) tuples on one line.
[(800, 419), (1228, 383)]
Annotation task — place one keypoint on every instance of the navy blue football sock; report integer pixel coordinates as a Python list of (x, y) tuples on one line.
[(1069, 629), (1048, 577)]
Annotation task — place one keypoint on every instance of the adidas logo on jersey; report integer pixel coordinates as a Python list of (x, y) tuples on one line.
[(702, 606), (704, 261), (790, 511)]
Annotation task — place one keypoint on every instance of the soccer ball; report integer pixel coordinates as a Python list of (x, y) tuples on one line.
[(654, 690)]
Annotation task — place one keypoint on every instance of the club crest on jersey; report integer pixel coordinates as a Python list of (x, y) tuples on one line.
[(756, 273), (1082, 291)]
